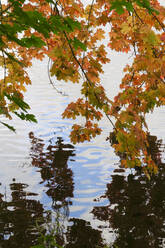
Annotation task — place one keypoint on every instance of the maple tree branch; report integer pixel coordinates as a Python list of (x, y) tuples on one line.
[(140, 86), (90, 11), (82, 69), (160, 23), (72, 51), (134, 43), (159, 77), (88, 80), (4, 61), (5, 10), (88, 21), (138, 16), (3, 54)]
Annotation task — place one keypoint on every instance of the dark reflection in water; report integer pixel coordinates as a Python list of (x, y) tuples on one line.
[(18, 218), (136, 208), (82, 235), (19, 213), (58, 179), (56, 176)]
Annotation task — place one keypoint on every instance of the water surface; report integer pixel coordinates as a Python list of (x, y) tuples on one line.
[(41, 170)]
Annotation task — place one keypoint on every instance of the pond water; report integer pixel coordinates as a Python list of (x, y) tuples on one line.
[(82, 186)]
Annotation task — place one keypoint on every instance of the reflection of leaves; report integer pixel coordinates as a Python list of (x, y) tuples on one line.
[(51, 234), (81, 235), (137, 205), (18, 217), (55, 174)]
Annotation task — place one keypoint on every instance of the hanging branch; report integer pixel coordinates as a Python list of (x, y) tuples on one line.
[(81, 67)]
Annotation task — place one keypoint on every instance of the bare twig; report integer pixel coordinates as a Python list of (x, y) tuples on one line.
[(50, 80)]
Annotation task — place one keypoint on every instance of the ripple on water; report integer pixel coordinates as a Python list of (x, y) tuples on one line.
[(88, 171)]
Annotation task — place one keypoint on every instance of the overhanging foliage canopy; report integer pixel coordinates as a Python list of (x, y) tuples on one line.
[(68, 33)]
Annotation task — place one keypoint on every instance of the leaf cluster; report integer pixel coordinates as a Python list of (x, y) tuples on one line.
[(120, 5)]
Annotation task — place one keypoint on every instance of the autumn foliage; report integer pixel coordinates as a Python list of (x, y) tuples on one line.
[(71, 35)]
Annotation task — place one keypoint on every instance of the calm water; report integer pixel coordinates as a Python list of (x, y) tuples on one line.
[(82, 186)]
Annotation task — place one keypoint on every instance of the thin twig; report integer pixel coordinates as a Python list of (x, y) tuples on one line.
[(3, 54), (134, 43), (160, 23), (138, 16), (88, 22), (5, 10), (50, 80), (5, 69)]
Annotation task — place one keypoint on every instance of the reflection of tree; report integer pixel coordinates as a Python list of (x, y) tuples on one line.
[(57, 177), (82, 235), (137, 205), (18, 218)]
